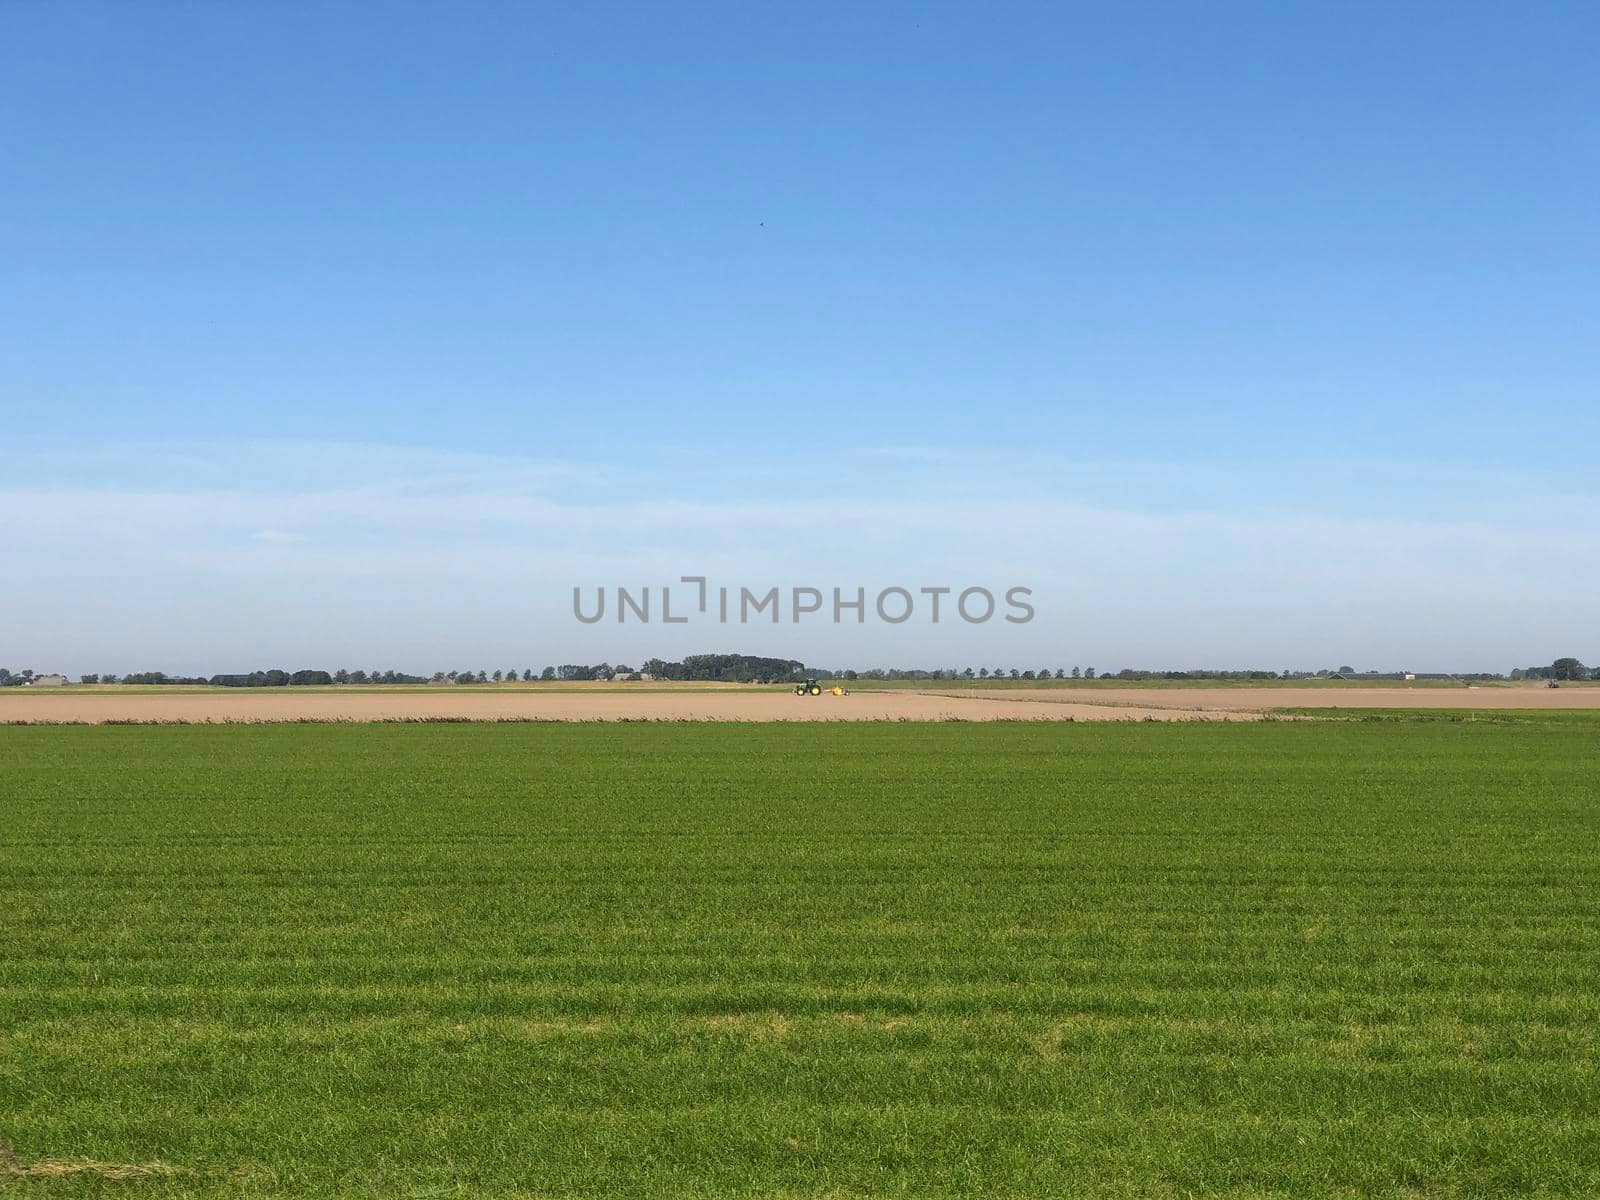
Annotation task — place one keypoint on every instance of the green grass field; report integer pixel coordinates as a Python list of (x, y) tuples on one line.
[(1149, 960)]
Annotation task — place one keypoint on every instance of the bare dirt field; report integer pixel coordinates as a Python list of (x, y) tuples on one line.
[(1257, 699), (99, 707), (740, 704)]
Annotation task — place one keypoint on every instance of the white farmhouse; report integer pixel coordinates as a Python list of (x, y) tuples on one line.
[(48, 681)]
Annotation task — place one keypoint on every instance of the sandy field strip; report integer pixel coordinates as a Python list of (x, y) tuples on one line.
[(739, 704), (99, 707), (1239, 700)]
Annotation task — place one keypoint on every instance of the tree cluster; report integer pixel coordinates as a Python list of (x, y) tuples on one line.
[(1562, 670), (728, 668)]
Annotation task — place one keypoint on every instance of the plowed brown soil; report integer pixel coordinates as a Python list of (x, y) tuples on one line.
[(740, 704), (1247, 699), (96, 708)]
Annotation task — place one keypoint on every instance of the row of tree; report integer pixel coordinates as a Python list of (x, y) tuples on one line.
[(749, 668), (279, 678)]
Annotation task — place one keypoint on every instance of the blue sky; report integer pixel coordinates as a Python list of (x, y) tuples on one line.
[(1254, 334)]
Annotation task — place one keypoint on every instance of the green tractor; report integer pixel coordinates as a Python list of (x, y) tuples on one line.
[(809, 688)]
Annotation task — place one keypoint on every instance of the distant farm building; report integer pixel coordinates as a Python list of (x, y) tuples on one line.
[(48, 681)]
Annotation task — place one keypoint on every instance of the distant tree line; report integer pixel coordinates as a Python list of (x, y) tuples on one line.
[(306, 678), (750, 668), (501, 676), (258, 679)]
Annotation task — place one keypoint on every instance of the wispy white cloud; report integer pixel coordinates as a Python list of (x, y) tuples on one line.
[(491, 513)]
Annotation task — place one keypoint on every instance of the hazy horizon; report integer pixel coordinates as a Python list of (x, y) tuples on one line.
[(408, 560)]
